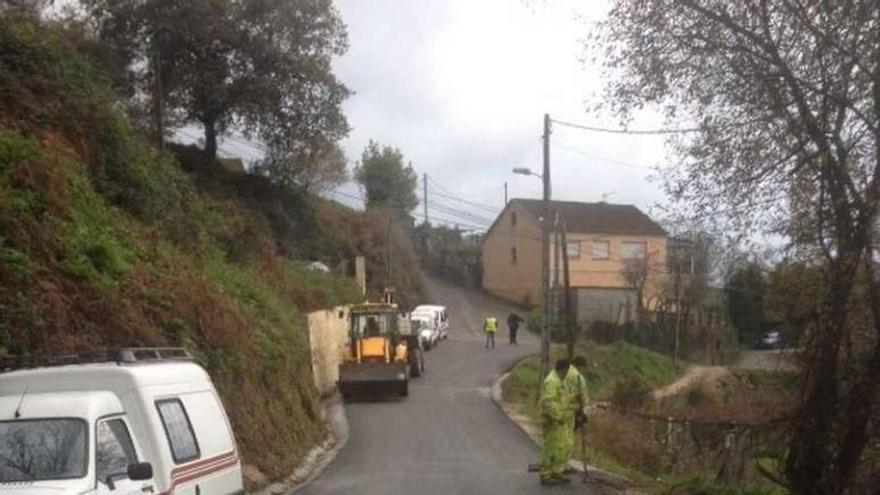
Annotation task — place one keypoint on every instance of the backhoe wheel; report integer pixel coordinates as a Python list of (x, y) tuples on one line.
[(415, 369)]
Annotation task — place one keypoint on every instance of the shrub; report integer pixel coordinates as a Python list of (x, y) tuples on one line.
[(630, 394), (696, 396)]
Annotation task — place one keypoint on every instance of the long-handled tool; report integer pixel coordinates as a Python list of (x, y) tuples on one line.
[(584, 449)]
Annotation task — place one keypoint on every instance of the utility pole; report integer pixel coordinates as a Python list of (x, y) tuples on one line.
[(427, 230), (505, 193), (388, 251), (545, 256), (570, 320), (554, 290), (158, 102), (678, 309), (425, 195)]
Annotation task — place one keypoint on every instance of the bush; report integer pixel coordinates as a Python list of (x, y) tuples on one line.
[(696, 396), (630, 394)]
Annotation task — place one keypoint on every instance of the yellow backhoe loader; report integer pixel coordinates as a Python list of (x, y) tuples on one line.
[(377, 358)]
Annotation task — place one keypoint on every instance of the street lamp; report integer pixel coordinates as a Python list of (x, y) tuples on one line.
[(545, 251), (526, 171)]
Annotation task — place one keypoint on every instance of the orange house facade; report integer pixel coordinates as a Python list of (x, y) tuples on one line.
[(615, 254)]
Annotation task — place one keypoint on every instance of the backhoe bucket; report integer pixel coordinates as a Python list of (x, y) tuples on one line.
[(373, 379)]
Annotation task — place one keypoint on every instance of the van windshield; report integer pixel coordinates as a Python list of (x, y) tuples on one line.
[(42, 449)]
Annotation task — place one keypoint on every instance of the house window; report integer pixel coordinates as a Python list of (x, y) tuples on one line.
[(513, 256), (632, 250), (600, 250), (513, 219), (573, 250)]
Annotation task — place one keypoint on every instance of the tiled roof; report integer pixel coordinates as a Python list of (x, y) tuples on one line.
[(602, 218)]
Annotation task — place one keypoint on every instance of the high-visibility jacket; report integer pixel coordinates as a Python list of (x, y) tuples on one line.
[(555, 420), (490, 325), (576, 386)]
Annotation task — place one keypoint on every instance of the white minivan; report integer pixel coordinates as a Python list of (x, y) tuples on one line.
[(132, 421), (426, 329), (438, 315)]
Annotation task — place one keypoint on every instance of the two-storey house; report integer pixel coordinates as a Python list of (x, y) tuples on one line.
[(616, 254)]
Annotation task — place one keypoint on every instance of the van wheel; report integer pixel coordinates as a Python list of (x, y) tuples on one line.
[(404, 389)]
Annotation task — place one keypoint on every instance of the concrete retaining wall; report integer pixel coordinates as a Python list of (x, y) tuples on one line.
[(328, 331)]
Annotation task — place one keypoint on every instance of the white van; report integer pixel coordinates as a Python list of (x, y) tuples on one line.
[(133, 421), (438, 314), (425, 328)]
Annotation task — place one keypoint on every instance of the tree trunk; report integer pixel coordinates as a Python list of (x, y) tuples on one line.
[(210, 141), (810, 455)]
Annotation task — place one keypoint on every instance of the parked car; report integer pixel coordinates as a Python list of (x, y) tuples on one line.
[(126, 422), (423, 325), (770, 340), (440, 316)]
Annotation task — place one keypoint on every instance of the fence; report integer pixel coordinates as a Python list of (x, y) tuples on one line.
[(731, 452)]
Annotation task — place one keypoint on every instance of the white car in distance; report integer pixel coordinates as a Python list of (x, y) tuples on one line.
[(438, 314), (427, 331)]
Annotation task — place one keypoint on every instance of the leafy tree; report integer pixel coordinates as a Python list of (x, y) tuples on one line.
[(745, 288), (794, 296), (261, 66), (785, 97), (318, 167), (386, 181)]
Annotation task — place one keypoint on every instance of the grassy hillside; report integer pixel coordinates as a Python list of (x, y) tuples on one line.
[(106, 242)]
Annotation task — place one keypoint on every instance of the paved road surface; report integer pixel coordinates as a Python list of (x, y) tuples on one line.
[(447, 437)]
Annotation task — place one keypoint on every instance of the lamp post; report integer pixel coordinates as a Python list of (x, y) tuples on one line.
[(545, 251)]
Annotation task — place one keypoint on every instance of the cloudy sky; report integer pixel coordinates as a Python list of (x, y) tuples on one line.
[(461, 86)]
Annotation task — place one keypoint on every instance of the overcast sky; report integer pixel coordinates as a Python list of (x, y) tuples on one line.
[(461, 86)]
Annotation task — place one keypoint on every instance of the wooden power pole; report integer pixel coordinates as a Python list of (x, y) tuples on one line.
[(545, 255), (570, 317)]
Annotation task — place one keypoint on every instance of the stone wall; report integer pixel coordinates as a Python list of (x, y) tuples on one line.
[(328, 331)]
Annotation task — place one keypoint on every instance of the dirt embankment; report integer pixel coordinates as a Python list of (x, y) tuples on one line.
[(106, 242)]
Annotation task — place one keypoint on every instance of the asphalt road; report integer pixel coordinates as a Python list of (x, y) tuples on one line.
[(448, 437)]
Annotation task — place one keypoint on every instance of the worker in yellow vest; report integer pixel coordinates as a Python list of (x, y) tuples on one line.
[(558, 434), (576, 386), (490, 327)]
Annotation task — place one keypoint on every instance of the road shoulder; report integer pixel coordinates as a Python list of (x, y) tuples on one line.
[(317, 460)]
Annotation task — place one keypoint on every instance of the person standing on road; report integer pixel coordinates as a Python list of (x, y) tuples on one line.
[(576, 386), (555, 406), (513, 322), (490, 326)]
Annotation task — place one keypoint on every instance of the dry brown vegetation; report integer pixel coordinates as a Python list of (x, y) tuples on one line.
[(105, 242)]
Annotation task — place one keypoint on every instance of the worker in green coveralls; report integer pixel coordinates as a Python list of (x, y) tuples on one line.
[(556, 409), (576, 386)]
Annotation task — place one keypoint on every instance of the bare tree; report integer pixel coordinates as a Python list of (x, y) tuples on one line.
[(785, 95)]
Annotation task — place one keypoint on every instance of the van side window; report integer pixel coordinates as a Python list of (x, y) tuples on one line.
[(178, 429), (114, 450), (211, 428)]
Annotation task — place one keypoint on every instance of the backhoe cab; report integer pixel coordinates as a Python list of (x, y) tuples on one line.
[(376, 359)]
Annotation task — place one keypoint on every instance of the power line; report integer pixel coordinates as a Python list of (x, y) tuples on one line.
[(197, 138), (446, 193), (600, 158), (642, 132), (481, 207), (459, 213), (451, 222), (660, 131)]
